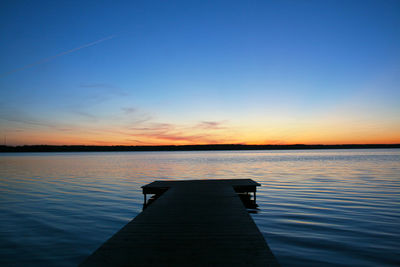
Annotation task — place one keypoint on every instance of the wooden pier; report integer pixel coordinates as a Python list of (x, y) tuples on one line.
[(190, 223)]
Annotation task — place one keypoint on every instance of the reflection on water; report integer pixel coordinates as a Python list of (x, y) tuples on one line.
[(322, 207)]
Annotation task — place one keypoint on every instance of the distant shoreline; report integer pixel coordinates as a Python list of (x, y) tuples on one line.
[(220, 147)]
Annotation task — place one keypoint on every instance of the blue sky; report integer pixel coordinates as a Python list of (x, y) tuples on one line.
[(180, 72)]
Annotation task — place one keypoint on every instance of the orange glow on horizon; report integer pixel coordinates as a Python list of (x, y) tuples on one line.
[(160, 140), (209, 132)]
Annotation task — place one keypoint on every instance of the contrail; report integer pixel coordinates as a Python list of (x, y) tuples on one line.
[(56, 56)]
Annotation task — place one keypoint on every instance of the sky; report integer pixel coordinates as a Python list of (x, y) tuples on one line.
[(199, 72)]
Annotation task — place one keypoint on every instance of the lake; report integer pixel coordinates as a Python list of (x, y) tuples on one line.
[(317, 207)]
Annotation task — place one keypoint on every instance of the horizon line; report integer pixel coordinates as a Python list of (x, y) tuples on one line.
[(210, 147), (210, 144)]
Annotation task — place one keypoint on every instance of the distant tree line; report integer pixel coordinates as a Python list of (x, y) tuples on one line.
[(82, 148)]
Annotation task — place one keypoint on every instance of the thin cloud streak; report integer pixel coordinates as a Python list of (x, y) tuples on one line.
[(128, 111), (167, 133), (56, 56), (211, 125), (98, 85)]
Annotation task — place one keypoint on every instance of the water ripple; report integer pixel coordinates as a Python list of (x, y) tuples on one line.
[(317, 208)]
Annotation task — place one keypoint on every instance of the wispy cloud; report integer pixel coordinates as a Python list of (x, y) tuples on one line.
[(98, 85), (14, 115), (129, 110), (173, 137), (86, 115), (44, 60), (168, 133), (154, 127), (28, 121), (211, 125), (104, 88), (129, 125)]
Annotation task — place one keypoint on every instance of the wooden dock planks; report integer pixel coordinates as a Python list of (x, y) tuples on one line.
[(194, 223)]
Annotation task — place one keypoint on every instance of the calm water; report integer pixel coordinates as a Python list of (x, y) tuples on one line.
[(321, 207)]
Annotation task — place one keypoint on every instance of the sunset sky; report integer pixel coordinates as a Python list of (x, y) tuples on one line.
[(199, 72)]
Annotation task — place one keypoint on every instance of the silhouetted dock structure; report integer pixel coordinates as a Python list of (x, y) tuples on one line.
[(191, 223)]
